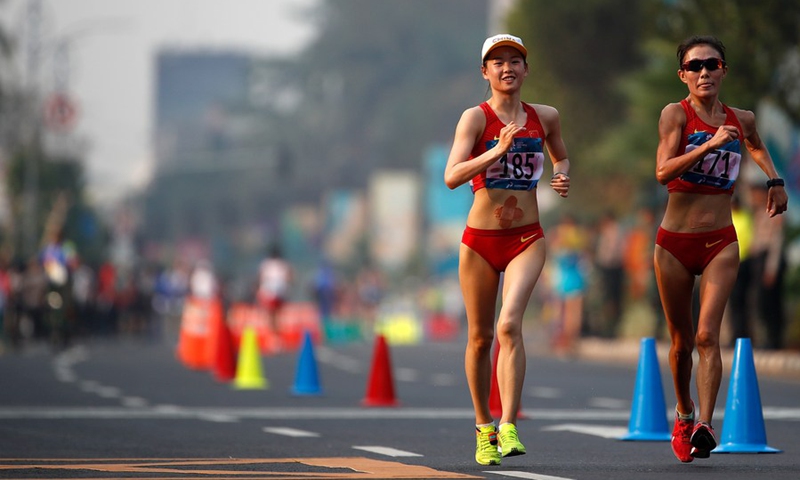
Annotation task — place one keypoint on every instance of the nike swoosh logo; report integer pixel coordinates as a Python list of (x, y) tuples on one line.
[(525, 239), (709, 245)]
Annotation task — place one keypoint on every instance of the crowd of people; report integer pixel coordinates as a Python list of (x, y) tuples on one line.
[(55, 297), (601, 276)]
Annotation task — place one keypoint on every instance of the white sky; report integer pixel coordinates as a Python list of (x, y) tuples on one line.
[(112, 55)]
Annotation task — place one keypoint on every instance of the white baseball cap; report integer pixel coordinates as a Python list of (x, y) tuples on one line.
[(503, 40)]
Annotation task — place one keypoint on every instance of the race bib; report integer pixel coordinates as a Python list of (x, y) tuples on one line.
[(520, 168), (719, 168)]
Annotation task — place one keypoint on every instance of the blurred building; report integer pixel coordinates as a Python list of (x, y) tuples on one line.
[(215, 191)]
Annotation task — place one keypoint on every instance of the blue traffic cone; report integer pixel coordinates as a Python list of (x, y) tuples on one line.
[(743, 427), (648, 419), (306, 377)]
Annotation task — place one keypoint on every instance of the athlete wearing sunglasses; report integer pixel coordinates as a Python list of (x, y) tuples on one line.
[(709, 64), (698, 158)]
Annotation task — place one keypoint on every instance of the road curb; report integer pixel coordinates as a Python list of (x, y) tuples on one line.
[(781, 363)]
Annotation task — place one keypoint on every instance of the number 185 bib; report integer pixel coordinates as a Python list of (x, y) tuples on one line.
[(520, 168)]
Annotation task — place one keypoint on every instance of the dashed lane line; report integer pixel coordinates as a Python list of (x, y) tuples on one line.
[(173, 412), (528, 475), (290, 432), (604, 431), (388, 451)]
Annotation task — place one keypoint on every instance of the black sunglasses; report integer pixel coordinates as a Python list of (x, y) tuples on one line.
[(709, 64)]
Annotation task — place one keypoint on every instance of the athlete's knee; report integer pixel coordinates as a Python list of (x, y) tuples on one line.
[(481, 341), (681, 348), (508, 330), (706, 340)]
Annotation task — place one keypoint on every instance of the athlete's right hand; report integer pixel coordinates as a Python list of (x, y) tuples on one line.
[(724, 134), (506, 137)]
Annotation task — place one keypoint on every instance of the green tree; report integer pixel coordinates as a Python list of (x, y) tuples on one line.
[(577, 52)]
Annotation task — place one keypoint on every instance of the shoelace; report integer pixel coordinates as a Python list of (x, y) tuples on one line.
[(685, 431), (487, 440), (511, 436)]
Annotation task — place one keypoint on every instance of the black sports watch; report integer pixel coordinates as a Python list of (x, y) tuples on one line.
[(775, 182)]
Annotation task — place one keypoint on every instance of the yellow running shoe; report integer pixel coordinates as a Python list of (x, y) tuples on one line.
[(509, 441), (486, 448)]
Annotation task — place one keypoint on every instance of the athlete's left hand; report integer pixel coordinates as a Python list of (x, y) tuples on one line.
[(560, 183), (777, 201)]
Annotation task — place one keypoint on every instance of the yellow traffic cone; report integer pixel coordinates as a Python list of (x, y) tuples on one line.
[(248, 365)]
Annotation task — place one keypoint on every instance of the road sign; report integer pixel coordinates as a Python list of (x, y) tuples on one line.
[(60, 112)]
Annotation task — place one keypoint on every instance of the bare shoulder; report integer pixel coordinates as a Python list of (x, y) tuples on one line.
[(746, 118), (473, 117), (673, 111), (672, 116), (545, 112)]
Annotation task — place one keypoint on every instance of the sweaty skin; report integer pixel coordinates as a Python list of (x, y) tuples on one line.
[(508, 212)]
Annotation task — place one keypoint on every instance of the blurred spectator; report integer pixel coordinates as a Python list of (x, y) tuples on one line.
[(769, 266), (15, 308), (146, 280), (203, 281), (33, 290), (5, 301), (608, 257), (275, 278), (324, 290), (370, 286), (84, 287), (639, 270), (569, 242), (169, 290), (107, 299), (740, 310), (58, 259)]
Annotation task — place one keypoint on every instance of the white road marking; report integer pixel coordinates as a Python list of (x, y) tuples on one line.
[(545, 392), (290, 432), (89, 386), (604, 402), (529, 475), (219, 418), (337, 360), (133, 402), (66, 375), (406, 375), (604, 431), (278, 413), (443, 380), (391, 452), (108, 392)]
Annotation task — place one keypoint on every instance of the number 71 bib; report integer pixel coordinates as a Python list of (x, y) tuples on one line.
[(719, 168)]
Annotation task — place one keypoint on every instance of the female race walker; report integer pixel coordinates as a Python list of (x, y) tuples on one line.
[(698, 158), (498, 149)]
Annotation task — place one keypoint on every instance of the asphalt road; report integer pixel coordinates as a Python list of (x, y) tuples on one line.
[(128, 408)]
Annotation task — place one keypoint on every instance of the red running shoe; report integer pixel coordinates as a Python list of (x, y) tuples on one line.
[(681, 435), (703, 440)]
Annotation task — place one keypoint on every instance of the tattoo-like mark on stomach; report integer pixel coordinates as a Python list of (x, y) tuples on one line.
[(508, 212)]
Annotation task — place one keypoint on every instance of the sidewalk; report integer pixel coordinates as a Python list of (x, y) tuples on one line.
[(780, 363)]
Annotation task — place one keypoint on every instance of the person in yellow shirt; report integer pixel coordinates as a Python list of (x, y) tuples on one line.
[(740, 296)]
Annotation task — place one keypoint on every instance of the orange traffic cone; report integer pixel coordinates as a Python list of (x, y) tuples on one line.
[(495, 404), (380, 389), (192, 348), (222, 355)]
